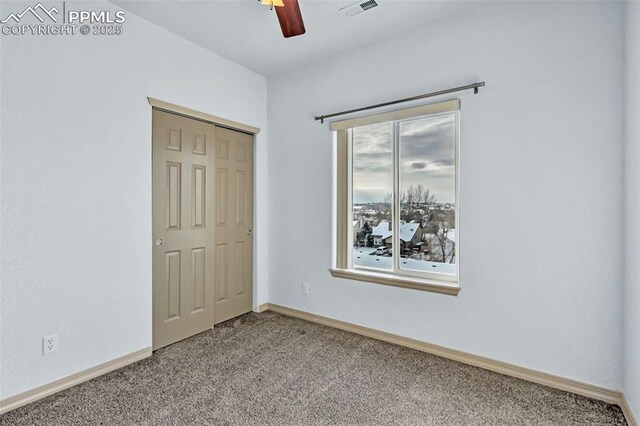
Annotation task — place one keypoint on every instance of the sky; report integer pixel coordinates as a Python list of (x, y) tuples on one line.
[(427, 157)]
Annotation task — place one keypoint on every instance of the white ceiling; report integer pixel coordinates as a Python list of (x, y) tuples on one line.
[(248, 33)]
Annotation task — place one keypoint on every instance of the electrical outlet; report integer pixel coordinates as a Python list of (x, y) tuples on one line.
[(49, 344), (305, 288)]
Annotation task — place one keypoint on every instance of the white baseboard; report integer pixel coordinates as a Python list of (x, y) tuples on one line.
[(569, 385), (260, 308), (40, 392), (628, 414), (557, 382)]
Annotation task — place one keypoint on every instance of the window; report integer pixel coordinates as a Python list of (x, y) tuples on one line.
[(397, 218)]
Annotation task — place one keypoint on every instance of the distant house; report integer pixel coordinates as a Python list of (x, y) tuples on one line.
[(356, 228), (432, 243), (382, 235), (451, 235), (410, 234)]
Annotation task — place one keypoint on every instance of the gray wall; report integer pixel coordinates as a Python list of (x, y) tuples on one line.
[(541, 185), (632, 231), (76, 186)]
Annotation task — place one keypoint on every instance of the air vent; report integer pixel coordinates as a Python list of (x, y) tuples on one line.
[(359, 7), (368, 5)]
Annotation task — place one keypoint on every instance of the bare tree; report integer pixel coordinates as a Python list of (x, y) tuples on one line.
[(452, 253), (427, 197), (364, 234), (411, 196), (419, 193), (441, 236)]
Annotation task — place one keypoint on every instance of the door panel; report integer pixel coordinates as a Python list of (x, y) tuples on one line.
[(183, 275), (234, 221)]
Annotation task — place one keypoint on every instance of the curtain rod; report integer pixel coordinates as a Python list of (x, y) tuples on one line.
[(473, 86)]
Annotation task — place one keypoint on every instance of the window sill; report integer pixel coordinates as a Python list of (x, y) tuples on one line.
[(434, 286)]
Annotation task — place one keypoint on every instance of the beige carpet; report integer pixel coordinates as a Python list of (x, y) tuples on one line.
[(272, 369)]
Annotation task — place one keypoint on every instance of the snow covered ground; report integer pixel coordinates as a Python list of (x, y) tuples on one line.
[(362, 256)]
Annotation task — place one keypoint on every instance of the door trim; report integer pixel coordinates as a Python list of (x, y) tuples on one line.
[(202, 116)]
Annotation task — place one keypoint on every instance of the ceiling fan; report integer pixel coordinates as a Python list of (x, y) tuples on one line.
[(289, 16)]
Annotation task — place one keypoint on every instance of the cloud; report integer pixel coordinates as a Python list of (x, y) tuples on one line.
[(427, 157), (429, 139)]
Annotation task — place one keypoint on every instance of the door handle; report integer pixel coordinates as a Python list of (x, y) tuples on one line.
[(249, 232), (159, 241)]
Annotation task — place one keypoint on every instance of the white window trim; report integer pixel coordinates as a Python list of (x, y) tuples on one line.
[(343, 267)]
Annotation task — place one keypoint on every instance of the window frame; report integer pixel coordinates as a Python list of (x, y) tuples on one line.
[(343, 266)]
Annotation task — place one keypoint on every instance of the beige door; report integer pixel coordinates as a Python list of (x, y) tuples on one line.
[(183, 251), (233, 251)]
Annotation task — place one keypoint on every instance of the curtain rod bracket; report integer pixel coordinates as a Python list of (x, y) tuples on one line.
[(473, 86)]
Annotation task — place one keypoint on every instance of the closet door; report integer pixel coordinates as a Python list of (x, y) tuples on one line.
[(183, 212), (233, 220)]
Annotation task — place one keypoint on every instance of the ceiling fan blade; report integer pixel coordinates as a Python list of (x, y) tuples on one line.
[(290, 19)]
